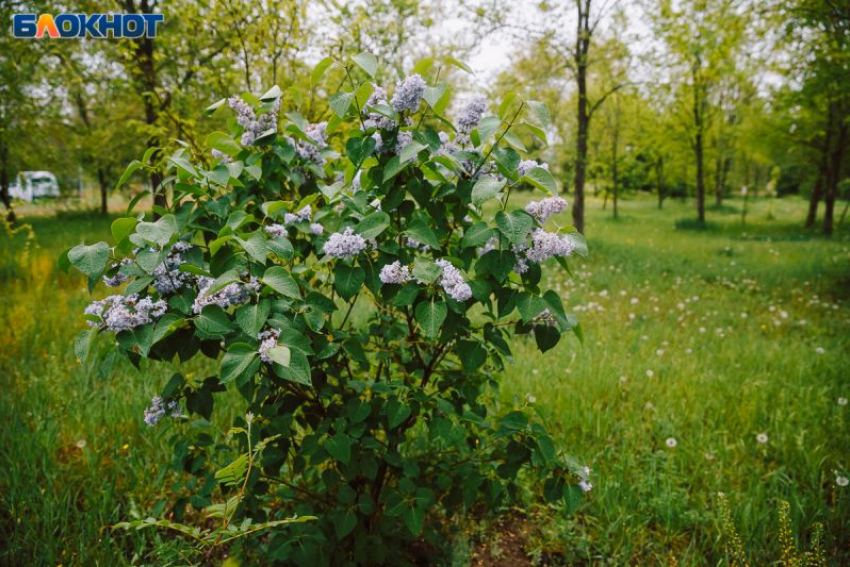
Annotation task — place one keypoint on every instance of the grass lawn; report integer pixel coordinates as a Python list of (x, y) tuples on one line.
[(704, 339)]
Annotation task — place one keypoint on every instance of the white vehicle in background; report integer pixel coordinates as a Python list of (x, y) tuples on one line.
[(33, 185)]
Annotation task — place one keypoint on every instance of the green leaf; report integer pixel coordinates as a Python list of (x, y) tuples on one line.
[(536, 131), (339, 447), (418, 230), (540, 112), (82, 344), (340, 103), (367, 62), (234, 473), (414, 518), (410, 151), (423, 65), (348, 280), (515, 225), (530, 306), (298, 370), (159, 232), (459, 65), (579, 243), (122, 228), (487, 127), (255, 246), (506, 104), (477, 235), (319, 70), (372, 225), (272, 94), (90, 260), (213, 321), (542, 179), (546, 337), (433, 95), (431, 315), (485, 189), (134, 166), (279, 354), (138, 340), (397, 412), (223, 143), (282, 282), (215, 106), (514, 141), (252, 317), (240, 363), (426, 271)]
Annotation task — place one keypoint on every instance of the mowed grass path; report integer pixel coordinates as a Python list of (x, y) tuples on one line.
[(706, 337)]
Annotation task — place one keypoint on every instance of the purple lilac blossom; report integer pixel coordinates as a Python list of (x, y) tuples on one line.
[(408, 93), (394, 273), (453, 283), (545, 245), (268, 340), (232, 294), (159, 409), (471, 114), (167, 276), (122, 313), (527, 165), (253, 126), (344, 244), (542, 210)]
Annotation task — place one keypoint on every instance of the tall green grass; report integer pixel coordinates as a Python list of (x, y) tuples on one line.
[(745, 329)]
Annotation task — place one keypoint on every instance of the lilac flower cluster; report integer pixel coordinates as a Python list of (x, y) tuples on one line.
[(268, 340), (447, 146), (471, 114), (376, 119), (317, 133), (527, 165), (402, 140), (344, 244), (453, 283), (122, 313), (252, 124), (395, 273), (232, 294), (416, 245), (408, 93), (118, 278), (304, 214), (159, 409), (545, 245), (542, 210), (167, 276), (276, 230)]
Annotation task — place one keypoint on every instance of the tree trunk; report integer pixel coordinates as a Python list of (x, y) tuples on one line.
[(659, 181), (104, 191), (615, 181), (4, 183), (583, 118), (814, 200), (581, 150), (143, 67), (699, 128), (834, 173)]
